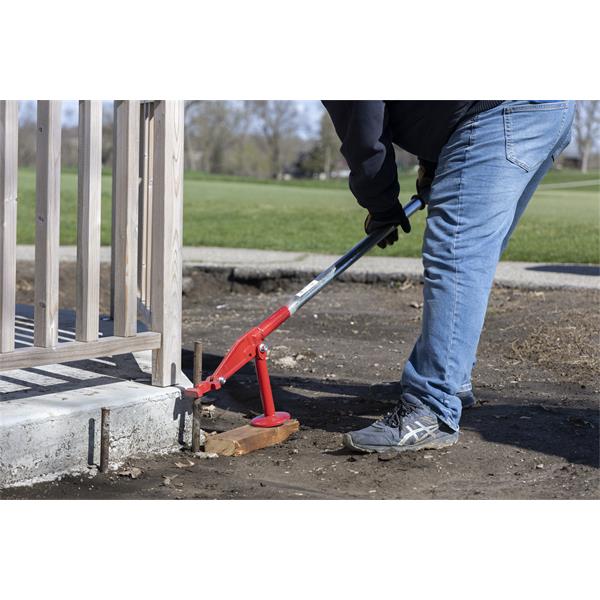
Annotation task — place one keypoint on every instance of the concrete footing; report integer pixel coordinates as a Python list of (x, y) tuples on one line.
[(50, 416)]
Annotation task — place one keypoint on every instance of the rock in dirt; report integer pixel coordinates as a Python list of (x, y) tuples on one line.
[(384, 456), (132, 473), (207, 411), (206, 455), (187, 285), (287, 362)]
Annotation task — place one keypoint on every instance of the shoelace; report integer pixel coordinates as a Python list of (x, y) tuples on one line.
[(394, 418)]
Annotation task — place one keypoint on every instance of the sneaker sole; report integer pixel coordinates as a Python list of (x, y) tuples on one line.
[(425, 445)]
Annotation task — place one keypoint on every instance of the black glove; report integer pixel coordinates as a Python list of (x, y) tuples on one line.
[(394, 216), (425, 176)]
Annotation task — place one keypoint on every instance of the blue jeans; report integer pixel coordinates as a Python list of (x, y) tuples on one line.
[(486, 175)]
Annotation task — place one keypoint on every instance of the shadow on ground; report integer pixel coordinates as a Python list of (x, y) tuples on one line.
[(591, 270), (338, 407)]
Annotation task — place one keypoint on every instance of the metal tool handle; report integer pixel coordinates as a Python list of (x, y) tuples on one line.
[(340, 265)]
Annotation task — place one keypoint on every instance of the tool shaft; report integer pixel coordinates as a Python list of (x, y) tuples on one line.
[(250, 345), (339, 266)]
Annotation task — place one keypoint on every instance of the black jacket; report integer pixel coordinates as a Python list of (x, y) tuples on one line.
[(367, 129)]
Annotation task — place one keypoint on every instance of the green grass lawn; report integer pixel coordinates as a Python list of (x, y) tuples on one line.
[(562, 224)]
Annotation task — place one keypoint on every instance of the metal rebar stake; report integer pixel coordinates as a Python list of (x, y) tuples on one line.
[(104, 439), (196, 404)]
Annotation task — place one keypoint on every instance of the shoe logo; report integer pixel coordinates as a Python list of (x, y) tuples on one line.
[(425, 430)]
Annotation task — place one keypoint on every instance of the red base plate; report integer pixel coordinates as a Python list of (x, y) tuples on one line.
[(274, 420)]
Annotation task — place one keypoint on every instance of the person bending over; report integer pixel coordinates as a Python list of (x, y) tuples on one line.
[(479, 164)]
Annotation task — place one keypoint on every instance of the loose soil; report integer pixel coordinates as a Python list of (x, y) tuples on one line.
[(535, 433)]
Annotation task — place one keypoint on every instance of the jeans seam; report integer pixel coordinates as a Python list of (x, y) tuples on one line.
[(454, 240), (560, 136), (537, 107)]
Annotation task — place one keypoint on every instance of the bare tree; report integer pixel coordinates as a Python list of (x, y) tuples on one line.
[(277, 121), (330, 143), (188, 112), (212, 127), (586, 128)]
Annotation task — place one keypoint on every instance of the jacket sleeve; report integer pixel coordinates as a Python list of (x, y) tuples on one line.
[(367, 147)]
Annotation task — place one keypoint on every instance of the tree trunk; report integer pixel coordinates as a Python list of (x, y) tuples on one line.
[(327, 162), (585, 156)]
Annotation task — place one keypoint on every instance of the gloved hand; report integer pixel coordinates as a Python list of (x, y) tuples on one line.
[(425, 176), (394, 216)]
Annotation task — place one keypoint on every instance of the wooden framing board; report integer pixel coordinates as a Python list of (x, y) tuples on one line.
[(125, 215), (47, 225), (88, 220), (248, 438), (145, 210), (9, 131), (167, 240), (23, 358)]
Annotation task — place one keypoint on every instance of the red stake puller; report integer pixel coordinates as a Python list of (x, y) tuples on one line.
[(252, 344)]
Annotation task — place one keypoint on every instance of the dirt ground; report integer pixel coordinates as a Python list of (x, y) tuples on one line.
[(535, 433)]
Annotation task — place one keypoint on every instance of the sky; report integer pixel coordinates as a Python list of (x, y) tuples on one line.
[(310, 114), (312, 111)]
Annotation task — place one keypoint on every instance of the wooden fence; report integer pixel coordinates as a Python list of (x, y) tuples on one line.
[(146, 249)]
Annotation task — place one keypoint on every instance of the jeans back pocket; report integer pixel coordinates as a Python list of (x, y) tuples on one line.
[(532, 130)]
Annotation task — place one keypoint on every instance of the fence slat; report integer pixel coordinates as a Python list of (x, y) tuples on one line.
[(47, 226), (142, 201), (167, 225), (145, 205), (9, 131), (88, 220), (125, 216), (23, 358)]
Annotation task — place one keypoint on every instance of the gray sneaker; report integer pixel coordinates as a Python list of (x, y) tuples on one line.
[(410, 426), (393, 389)]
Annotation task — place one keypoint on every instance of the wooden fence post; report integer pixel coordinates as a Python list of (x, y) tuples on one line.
[(125, 216), (88, 221), (47, 225), (9, 131), (167, 240)]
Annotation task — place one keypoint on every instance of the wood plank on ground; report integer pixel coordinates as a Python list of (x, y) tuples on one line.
[(248, 438)]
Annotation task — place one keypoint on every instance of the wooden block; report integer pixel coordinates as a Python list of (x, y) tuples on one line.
[(249, 438)]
